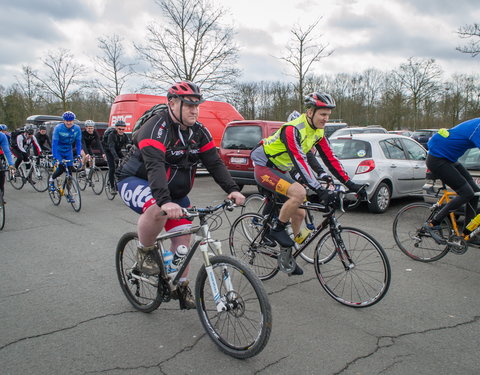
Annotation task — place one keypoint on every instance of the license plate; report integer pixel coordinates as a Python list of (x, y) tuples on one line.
[(235, 160)]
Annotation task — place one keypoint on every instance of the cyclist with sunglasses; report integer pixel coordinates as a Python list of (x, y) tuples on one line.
[(159, 172)]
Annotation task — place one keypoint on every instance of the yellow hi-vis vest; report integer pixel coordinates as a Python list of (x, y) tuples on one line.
[(276, 150)]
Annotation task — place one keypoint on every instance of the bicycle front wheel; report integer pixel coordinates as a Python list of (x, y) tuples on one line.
[(254, 203), (73, 194), (246, 243), (352, 268), (81, 179), (413, 240), (97, 181), (2, 211), (55, 196), (39, 179), (242, 330), (18, 179), (109, 190), (140, 290)]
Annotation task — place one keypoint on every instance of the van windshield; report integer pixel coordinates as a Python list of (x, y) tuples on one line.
[(241, 137)]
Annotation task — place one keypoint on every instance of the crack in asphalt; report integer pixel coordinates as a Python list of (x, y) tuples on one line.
[(270, 365), (390, 341), (289, 285), (64, 328), (157, 365)]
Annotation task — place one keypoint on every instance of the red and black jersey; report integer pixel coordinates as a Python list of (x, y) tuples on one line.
[(167, 157)]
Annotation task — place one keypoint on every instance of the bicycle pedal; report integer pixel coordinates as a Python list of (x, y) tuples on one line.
[(285, 261)]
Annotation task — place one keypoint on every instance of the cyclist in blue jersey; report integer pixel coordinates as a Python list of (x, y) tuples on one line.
[(64, 136), (444, 150), (5, 152), (4, 130)]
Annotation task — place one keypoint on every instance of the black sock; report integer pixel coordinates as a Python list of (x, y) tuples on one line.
[(279, 226)]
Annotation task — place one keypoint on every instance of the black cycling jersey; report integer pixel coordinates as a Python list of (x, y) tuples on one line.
[(115, 143), (91, 140), (44, 141), (167, 157)]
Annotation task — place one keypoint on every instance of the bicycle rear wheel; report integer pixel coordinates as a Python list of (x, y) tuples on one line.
[(81, 179), (357, 276), (140, 290), (73, 194), (246, 243), (39, 179), (413, 240), (97, 181), (18, 179), (243, 330)]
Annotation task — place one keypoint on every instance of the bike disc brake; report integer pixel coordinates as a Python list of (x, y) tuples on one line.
[(457, 245), (285, 260)]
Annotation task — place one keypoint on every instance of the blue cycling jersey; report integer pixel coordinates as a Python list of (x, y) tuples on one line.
[(5, 148), (63, 139), (461, 138)]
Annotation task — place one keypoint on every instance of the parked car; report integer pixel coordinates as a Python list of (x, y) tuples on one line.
[(359, 130), (238, 140), (393, 165), (422, 136), (470, 160), (332, 127)]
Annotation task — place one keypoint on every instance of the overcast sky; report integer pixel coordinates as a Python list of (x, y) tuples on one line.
[(364, 34)]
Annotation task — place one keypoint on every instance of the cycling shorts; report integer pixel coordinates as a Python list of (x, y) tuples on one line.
[(273, 179), (136, 194)]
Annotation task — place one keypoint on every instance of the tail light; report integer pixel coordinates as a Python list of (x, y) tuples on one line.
[(365, 166)]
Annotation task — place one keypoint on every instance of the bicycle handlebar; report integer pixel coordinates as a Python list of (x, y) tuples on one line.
[(202, 211)]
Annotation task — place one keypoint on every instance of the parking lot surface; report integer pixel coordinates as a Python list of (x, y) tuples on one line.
[(62, 310)]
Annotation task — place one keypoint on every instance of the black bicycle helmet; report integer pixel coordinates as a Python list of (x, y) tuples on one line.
[(319, 100), (42, 127), (120, 123)]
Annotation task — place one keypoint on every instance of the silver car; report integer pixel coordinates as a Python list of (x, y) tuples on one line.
[(393, 165)]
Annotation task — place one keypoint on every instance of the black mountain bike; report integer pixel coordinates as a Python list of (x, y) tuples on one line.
[(349, 263)]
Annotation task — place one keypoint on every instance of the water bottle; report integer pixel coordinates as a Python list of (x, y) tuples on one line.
[(167, 260), (179, 256), (302, 235), (472, 225)]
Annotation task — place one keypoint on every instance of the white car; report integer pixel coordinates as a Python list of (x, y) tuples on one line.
[(393, 165)]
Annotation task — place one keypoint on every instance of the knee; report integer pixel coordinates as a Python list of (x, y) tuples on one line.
[(297, 193)]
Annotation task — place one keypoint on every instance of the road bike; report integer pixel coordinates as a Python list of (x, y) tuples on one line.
[(351, 266), (111, 191), (3, 169), (92, 177), (417, 243), (36, 175), (68, 188), (231, 301)]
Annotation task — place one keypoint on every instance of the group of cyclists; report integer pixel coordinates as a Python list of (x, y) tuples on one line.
[(161, 165)]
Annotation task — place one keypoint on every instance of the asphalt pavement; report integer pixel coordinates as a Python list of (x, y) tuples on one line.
[(62, 310)]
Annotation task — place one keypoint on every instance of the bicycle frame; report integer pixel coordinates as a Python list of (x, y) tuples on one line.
[(201, 240), (444, 199)]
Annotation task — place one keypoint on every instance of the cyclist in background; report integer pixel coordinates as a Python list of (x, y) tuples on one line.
[(289, 149), (4, 130), (64, 136), (21, 147), (444, 150), (5, 153), (159, 171), (90, 139), (116, 141), (43, 139)]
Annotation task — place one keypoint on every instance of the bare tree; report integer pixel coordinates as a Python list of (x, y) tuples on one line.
[(470, 32), (303, 50), (191, 44), (62, 75), (420, 80), (110, 67), (30, 88)]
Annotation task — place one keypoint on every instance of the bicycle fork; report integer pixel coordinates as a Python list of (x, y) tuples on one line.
[(219, 302), (340, 248)]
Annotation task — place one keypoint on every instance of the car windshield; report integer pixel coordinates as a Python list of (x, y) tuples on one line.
[(351, 148), (471, 159), (424, 133), (241, 137)]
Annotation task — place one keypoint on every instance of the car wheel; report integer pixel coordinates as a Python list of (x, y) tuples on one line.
[(380, 200)]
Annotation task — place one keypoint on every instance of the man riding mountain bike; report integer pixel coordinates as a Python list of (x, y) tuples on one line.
[(290, 149)]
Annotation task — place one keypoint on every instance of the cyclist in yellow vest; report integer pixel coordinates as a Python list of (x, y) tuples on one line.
[(290, 148)]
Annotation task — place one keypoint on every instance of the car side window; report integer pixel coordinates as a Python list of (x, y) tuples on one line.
[(414, 151), (393, 149)]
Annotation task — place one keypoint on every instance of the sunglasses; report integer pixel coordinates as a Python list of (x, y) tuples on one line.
[(121, 129)]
